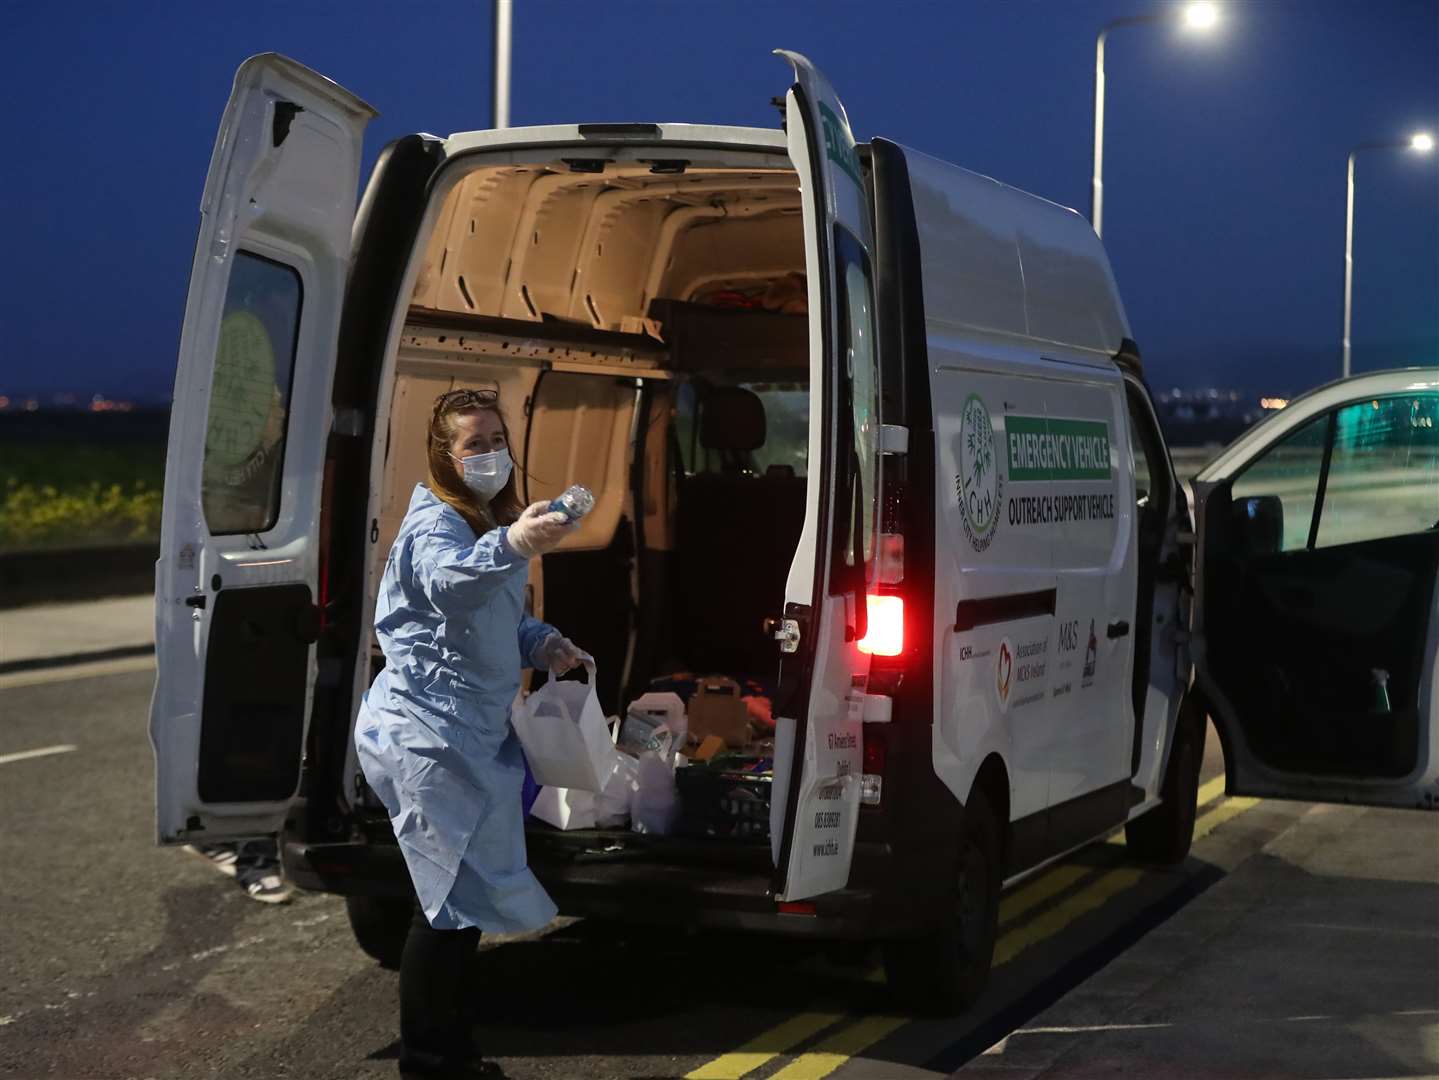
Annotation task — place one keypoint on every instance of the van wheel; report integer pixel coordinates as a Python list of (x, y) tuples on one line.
[(380, 925), (946, 970), (1163, 835)]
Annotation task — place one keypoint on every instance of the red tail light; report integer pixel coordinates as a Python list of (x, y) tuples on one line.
[(886, 626)]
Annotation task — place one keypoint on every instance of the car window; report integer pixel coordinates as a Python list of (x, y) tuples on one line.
[(1383, 471), (786, 419), (1289, 473), (860, 460)]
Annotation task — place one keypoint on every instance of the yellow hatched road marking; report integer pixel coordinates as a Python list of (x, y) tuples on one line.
[(840, 1047), (1050, 884), (764, 1047), (1208, 792), (1225, 811), (858, 1037), (1056, 919)]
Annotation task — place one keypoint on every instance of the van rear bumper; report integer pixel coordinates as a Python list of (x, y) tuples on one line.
[(634, 890)]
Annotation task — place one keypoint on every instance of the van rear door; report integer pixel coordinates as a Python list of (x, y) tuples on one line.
[(235, 613), (815, 809), (1316, 625)]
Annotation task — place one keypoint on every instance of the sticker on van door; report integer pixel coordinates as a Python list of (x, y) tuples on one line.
[(978, 486), (1019, 672), (1042, 449)]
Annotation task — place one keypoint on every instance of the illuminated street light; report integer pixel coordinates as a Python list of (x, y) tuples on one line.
[(1420, 142), (1201, 16), (1196, 17)]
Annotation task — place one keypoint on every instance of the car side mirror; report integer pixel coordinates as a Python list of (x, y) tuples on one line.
[(1259, 524)]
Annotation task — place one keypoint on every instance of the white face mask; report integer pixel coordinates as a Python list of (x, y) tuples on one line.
[(486, 474)]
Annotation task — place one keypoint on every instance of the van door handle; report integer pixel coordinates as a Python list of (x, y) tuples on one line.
[(1117, 629)]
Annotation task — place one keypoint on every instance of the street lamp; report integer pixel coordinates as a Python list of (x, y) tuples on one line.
[(1197, 17), (503, 29), (1421, 143)]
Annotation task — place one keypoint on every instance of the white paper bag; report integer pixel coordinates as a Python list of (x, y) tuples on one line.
[(564, 809), (563, 730)]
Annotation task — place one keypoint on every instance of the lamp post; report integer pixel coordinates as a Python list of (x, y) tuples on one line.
[(1421, 142), (1197, 16), (504, 12)]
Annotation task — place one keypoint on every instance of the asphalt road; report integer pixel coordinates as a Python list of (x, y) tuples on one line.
[(122, 959)]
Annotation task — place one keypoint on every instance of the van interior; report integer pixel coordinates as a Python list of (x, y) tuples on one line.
[(645, 323)]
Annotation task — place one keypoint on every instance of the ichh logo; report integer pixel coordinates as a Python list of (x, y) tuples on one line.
[(978, 485)]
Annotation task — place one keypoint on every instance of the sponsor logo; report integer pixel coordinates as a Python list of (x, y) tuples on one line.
[(1068, 644), (1091, 657), (1003, 674), (1045, 448), (978, 486)]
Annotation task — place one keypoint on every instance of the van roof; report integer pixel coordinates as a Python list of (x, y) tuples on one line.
[(616, 134), (999, 262)]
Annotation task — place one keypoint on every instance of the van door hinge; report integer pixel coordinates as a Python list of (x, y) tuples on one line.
[(786, 632), (349, 422)]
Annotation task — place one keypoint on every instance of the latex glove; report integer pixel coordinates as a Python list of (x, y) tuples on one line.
[(538, 530), (560, 654)]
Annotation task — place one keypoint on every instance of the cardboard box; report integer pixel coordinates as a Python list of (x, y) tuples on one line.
[(716, 708), (707, 749)]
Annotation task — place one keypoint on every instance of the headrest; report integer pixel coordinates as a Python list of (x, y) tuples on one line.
[(732, 418)]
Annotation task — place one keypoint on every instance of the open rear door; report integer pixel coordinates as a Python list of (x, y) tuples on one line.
[(818, 753), (235, 614), (1317, 600)]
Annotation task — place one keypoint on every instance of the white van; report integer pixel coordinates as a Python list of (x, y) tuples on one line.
[(863, 427)]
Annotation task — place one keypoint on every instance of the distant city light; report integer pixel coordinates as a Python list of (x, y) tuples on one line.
[(4, 402), (1201, 16), (1272, 403), (1422, 141)]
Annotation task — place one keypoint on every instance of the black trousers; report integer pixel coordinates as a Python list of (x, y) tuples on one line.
[(434, 1012)]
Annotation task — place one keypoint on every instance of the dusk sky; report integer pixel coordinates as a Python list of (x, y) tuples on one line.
[(1224, 209)]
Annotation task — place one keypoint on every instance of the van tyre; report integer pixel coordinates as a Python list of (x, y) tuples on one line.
[(945, 971), (1164, 834), (380, 925)]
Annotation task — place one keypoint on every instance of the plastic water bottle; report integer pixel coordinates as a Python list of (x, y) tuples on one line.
[(575, 503)]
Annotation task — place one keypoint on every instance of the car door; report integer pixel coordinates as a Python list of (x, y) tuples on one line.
[(235, 583), (815, 808), (1316, 617)]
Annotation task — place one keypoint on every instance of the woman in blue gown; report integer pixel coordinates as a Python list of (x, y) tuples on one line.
[(433, 733)]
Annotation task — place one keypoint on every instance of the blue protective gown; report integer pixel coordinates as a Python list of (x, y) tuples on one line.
[(434, 734)]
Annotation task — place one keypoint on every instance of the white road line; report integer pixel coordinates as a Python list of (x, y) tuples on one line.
[(44, 751)]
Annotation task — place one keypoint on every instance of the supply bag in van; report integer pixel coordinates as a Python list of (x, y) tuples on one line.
[(564, 808), (716, 708), (563, 730)]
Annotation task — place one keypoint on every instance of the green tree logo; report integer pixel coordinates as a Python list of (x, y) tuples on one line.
[(978, 485)]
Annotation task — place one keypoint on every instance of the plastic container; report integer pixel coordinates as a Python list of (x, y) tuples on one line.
[(663, 707), (575, 502)]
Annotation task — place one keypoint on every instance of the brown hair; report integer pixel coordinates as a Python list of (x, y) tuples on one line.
[(505, 507)]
